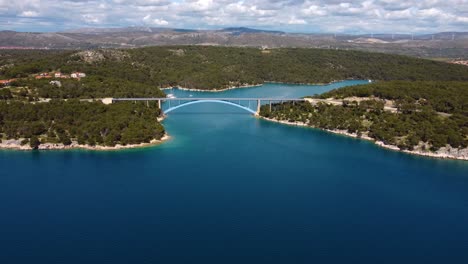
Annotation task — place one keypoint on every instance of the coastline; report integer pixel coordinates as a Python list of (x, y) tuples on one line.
[(250, 86), (321, 84), (213, 90), (15, 145), (443, 153)]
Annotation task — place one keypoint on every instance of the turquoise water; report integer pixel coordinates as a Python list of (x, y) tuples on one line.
[(269, 90), (230, 188)]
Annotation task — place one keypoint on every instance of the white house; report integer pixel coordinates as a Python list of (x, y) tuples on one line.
[(77, 75)]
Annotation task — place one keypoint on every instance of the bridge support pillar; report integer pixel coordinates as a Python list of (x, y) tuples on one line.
[(258, 107)]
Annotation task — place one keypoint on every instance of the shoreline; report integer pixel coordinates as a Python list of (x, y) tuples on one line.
[(213, 90), (318, 84), (252, 85), (438, 154), (14, 145)]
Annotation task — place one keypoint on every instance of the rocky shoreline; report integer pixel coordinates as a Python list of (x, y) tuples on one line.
[(15, 144), (443, 153), (248, 86), (214, 90), (332, 82)]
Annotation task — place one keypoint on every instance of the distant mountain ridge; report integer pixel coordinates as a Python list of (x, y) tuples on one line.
[(159, 30), (442, 44), (250, 30)]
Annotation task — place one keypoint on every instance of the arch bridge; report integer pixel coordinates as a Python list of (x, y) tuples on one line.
[(251, 105)]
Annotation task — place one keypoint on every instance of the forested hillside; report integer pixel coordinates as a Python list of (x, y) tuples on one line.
[(221, 67), (81, 122), (430, 115), (448, 97)]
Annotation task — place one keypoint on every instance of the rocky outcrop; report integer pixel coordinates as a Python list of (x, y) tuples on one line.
[(15, 144), (422, 149), (95, 56), (90, 56)]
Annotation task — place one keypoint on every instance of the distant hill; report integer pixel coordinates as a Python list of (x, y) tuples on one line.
[(242, 30), (118, 30), (437, 45), (208, 67)]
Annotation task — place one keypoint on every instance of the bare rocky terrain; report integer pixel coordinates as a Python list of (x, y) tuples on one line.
[(449, 45)]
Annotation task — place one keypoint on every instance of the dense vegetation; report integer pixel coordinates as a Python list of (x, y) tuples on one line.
[(85, 123), (420, 88), (219, 67), (89, 87), (417, 120), (16, 63), (402, 130), (448, 97)]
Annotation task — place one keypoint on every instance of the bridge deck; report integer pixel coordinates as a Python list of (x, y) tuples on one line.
[(195, 100)]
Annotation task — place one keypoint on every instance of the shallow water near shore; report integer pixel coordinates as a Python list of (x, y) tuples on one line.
[(231, 188)]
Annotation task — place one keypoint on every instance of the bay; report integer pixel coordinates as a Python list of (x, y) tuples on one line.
[(231, 188)]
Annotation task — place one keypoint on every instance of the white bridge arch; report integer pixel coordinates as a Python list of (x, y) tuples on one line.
[(176, 103), (167, 111)]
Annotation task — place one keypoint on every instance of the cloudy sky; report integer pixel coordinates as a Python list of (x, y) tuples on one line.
[(347, 16)]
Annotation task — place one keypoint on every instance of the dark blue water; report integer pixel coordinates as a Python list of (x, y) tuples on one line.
[(230, 188)]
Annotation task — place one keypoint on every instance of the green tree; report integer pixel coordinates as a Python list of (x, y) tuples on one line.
[(34, 142)]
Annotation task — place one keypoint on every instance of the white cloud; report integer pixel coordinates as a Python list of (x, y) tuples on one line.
[(91, 19), (295, 21), (155, 21), (29, 13), (160, 22), (399, 14), (314, 10), (142, 2), (288, 15)]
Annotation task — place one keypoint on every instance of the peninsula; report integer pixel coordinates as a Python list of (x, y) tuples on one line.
[(423, 118)]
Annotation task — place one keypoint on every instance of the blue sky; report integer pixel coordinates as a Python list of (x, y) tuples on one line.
[(339, 16)]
